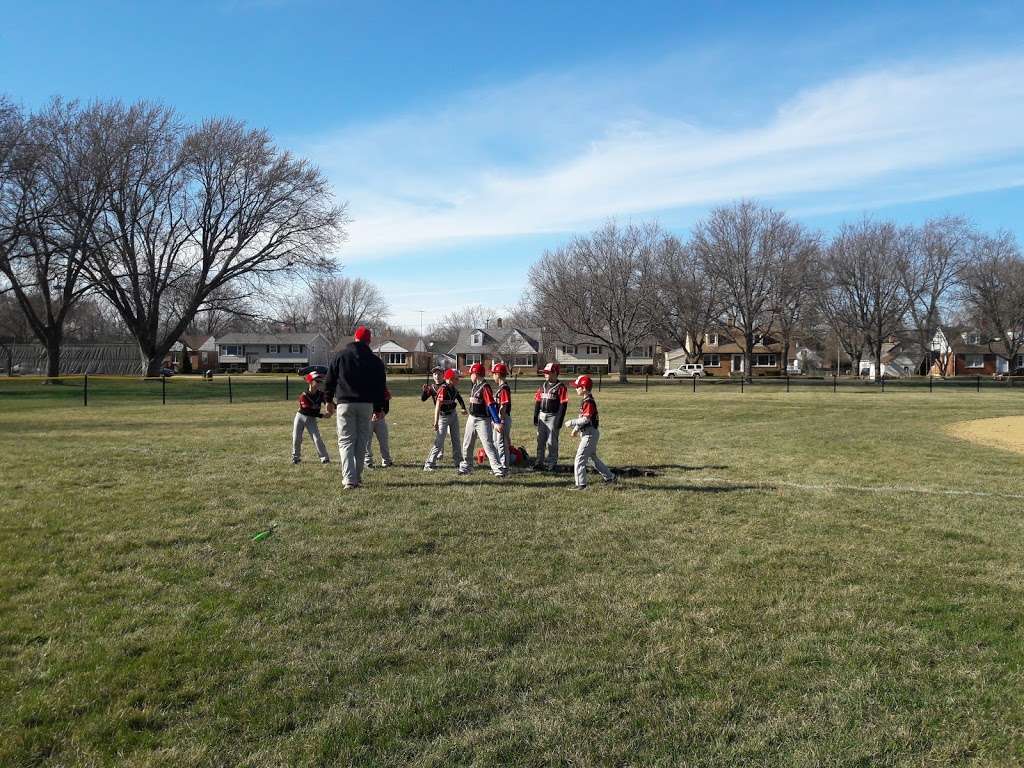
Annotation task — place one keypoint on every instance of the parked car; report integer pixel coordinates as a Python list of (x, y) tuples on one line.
[(167, 372), (686, 371)]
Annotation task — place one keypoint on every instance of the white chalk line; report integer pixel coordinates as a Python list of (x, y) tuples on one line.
[(760, 485)]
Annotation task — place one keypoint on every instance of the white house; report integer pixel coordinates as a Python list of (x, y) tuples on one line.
[(256, 352)]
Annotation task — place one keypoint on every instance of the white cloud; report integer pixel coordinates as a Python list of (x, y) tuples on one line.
[(557, 153)]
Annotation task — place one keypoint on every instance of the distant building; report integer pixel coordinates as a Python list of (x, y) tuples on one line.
[(269, 352)]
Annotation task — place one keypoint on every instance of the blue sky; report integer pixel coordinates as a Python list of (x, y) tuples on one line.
[(469, 137)]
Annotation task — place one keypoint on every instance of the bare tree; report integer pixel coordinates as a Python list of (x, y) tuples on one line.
[(53, 196), (993, 292), (599, 287), (340, 304), (863, 272), (225, 309), (191, 211), (688, 300), (795, 284), (474, 316), (742, 247), (932, 277)]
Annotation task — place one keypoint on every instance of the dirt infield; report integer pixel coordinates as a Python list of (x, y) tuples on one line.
[(1006, 432)]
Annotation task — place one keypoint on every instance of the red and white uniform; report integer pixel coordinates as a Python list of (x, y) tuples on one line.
[(549, 406)]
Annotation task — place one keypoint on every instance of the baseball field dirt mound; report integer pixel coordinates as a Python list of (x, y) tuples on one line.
[(1006, 432)]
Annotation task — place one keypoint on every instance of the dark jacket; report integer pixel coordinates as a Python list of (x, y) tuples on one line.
[(357, 375)]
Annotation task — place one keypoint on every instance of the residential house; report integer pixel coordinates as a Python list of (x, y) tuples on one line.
[(404, 353), (265, 352), (584, 354), (518, 348), (200, 350), (958, 351), (901, 357), (723, 355)]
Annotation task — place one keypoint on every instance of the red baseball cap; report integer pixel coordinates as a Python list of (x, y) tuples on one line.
[(363, 334)]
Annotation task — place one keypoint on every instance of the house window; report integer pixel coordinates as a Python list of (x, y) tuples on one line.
[(204, 357), (477, 339), (474, 357), (973, 338), (1019, 363), (568, 349), (712, 361), (975, 361), (713, 339), (593, 349), (524, 361), (763, 361), (273, 348), (396, 358), (233, 351)]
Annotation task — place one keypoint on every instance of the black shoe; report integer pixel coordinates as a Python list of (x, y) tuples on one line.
[(577, 487), (539, 467)]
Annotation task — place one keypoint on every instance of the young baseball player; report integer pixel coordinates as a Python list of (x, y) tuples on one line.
[(585, 426), (483, 413), (379, 427), (549, 407), (503, 396), (446, 420), (430, 390), (305, 420)]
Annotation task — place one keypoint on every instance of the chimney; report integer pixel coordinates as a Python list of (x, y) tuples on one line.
[(498, 322)]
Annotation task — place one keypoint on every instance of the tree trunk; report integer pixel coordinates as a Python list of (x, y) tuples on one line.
[(623, 377), (53, 356)]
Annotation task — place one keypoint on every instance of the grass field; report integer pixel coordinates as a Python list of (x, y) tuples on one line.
[(812, 579)]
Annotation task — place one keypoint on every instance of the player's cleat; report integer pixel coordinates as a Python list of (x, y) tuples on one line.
[(428, 468), (296, 461), (325, 461), (464, 470), (577, 487), (387, 463), (611, 480), (538, 467)]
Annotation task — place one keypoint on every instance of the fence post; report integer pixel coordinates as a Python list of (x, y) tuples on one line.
[(883, 384), (85, 391), (787, 382), (646, 382), (163, 390), (742, 381), (599, 376), (515, 382), (835, 382), (231, 398), (695, 383), (286, 387), (979, 384)]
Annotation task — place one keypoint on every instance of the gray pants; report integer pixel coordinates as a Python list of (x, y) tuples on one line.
[(547, 439), (588, 451), (307, 424), (479, 426), (447, 425), (353, 437), (503, 444), (380, 429)]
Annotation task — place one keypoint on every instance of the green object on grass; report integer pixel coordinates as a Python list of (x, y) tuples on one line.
[(264, 534)]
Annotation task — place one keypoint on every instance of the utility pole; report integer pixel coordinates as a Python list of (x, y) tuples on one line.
[(421, 323)]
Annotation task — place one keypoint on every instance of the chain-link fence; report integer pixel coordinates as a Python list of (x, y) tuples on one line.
[(97, 390)]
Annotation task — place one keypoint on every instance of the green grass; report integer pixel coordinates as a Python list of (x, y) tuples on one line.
[(729, 611)]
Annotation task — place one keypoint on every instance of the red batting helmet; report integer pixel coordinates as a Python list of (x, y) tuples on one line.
[(551, 368), (583, 381), (313, 376), (476, 368), (500, 368), (362, 334), (451, 374)]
